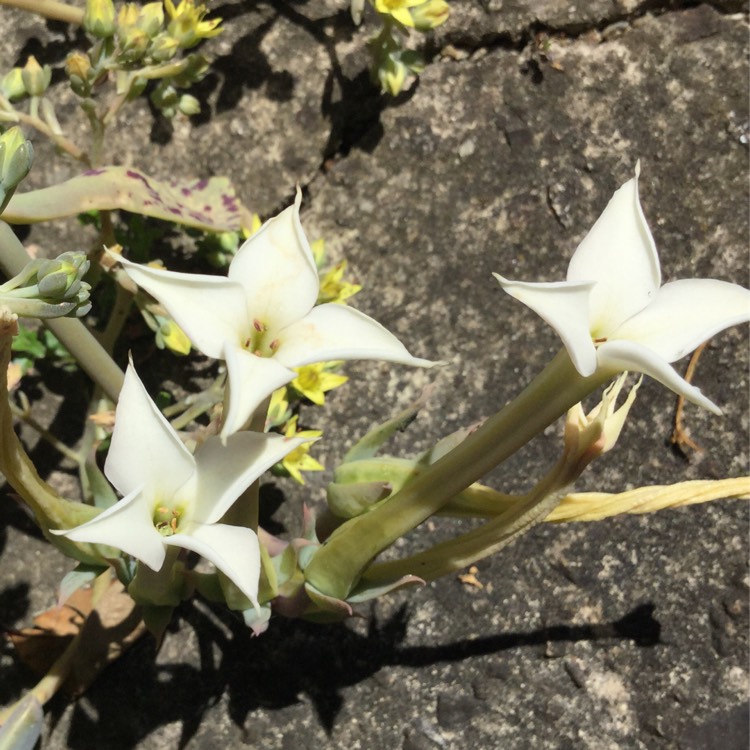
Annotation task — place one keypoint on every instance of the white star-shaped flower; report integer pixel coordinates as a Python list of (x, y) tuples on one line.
[(612, 312), (262, 319), (175, 499)]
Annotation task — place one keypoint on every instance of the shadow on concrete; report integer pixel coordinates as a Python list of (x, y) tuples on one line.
[(136, 695)]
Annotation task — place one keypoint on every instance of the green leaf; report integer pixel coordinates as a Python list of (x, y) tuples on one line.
[(209, 204)]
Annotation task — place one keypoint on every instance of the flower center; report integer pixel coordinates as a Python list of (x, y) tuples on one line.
[(167, 520), (260, 341)]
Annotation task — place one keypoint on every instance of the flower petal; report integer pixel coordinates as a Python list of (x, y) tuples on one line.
[(565, 306), (234, 550), (225, 471), (619, 254), (277, 270), (621, 355), (210, 309), (128, 526), (250, 379), (333, 331), (684, 314), (145, 450)]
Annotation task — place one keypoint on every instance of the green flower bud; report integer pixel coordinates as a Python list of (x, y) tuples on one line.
[(49, 288), (429, 14), (163, 48), (35, 77), (12, 85), (189, 105), (16, 157), (62, 277), (151, 19), (99, 18)]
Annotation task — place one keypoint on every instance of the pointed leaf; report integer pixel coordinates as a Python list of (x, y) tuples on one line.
[(366, 591), (369, 445), (204, 204)]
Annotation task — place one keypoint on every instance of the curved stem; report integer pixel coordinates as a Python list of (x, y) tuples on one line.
[(341, 560), (53, 9)]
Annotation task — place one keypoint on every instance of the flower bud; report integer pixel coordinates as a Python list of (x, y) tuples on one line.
[(189, 105), (127, 17), (12, 86), (78, 65), (163, 48), (62, 277), (99, 18), (16, 157), (429, 14), (151, 19), (35, 77)]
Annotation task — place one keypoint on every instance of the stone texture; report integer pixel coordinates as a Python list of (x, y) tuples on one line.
[(629, 633)]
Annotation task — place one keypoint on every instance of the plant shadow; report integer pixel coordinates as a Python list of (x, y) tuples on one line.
[(291, 659)]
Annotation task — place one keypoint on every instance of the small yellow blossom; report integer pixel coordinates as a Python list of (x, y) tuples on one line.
[(313, 381), (169, 335), (398, 9), (187, 25), (299, 459), (333, 287)]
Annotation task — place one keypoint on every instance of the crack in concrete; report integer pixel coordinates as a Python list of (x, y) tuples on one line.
[(518, 42)]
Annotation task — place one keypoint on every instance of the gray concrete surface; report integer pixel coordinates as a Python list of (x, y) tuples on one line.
[(630, 633)]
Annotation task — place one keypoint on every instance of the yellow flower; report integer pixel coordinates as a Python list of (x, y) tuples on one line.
[(171, 336), (398, 9), (187, 24), (333, 288), (255, 225), (299, 459), (313, 381)]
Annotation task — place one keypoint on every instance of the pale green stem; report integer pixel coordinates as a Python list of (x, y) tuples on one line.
[(73, 334), (341, 560), (455, 554), (53, 9), (59, 140), (50, 510)]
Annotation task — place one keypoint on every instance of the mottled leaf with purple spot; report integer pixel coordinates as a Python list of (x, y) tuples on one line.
[(209, 204)]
